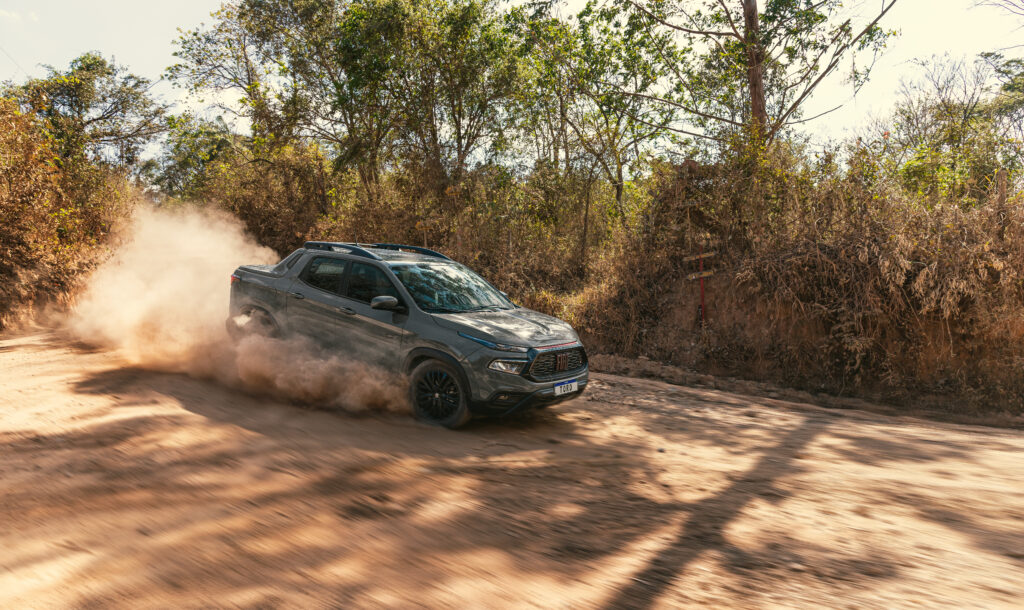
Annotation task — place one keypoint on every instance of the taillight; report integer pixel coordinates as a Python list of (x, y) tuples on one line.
[(234, 278)]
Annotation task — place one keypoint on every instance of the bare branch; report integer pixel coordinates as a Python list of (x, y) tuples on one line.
[(817, 116), (732, 24), (833, 63), (1015, 7), (682, 131), (676, 27), (672, 103)]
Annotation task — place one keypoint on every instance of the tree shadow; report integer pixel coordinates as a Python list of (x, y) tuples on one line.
[(970, 520), (256, 499), (705, 522), (874, 451)]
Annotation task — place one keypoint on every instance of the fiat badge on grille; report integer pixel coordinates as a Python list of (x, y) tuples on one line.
[(562, 361)]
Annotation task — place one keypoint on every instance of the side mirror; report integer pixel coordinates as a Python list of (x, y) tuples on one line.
[(386, 302)]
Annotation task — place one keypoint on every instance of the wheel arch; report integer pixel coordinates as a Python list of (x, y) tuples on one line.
[(251, 307), (421, 354)]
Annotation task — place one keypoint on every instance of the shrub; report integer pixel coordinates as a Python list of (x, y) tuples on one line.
[(53, 216), (828, 278)]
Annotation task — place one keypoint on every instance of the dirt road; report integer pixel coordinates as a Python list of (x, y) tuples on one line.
[(121, 487)]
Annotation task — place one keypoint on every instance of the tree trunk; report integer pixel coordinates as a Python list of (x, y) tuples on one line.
[(755, 69)]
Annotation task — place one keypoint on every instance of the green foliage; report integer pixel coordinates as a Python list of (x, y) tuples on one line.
[(95, 110), (617, 72), (463, 74), (737, 69), (225, 59), (52, 214), (949, 133), (190, 146), (379, 81), (277, 193)]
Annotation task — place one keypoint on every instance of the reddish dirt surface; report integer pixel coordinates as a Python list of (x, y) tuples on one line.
[(122, 487)]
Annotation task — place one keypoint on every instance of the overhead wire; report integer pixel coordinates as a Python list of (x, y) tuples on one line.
[(15, 62)]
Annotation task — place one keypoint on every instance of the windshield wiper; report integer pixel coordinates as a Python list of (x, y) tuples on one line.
[(442, 310)]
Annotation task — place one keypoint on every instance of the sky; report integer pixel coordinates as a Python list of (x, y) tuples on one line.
[(140, 34)]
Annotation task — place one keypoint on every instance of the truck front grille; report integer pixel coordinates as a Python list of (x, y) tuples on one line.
[(557, 363)]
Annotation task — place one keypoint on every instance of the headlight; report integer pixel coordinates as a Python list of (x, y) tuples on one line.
[(501, 347), (512, 367)]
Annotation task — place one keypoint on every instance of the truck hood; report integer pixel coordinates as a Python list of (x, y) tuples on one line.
[(519, 326)]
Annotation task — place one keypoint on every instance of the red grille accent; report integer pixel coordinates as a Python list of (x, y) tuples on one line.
[(556, 346)]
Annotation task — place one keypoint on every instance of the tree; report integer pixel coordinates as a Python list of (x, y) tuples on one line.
[(950, 133), (226, 59), (367, 78), (539, 110), (779, 56), (191, 145), (610, 58), (95, 110), (343, 61), (573, 106), (463, 73)]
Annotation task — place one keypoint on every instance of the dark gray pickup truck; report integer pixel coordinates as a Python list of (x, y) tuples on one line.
[(467, 349)]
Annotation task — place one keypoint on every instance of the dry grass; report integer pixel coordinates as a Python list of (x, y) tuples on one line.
[(54, 216), (826, 282)]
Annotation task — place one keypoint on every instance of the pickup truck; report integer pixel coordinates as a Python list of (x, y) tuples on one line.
[(466, 348)]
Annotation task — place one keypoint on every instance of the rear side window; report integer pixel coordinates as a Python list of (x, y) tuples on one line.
[(325, 273), (367, 281)]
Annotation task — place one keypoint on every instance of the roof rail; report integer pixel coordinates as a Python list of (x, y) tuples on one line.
[(331, 246), (416, 249), (361, 249)]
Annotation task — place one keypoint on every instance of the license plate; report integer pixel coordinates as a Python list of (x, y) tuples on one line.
[(566, 387)]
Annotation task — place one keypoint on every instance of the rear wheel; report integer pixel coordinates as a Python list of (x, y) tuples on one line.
[(252, 322), (438, 395)]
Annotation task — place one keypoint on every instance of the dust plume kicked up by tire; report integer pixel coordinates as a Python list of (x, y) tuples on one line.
[(162, 299)]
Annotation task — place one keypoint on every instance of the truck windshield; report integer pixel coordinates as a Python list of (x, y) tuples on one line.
[(448, 288)]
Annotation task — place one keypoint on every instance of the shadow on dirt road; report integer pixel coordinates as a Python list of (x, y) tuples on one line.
[(125, 486)]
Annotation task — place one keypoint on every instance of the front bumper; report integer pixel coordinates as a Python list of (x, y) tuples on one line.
[(497, 393), (509, 401)]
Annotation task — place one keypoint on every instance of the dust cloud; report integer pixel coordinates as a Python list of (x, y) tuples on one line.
[(161, 301)]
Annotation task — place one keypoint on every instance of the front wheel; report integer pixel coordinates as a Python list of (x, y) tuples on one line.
[(437, 395)]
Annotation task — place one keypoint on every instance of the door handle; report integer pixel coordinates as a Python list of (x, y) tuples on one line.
[(297, 295), (348, 310)]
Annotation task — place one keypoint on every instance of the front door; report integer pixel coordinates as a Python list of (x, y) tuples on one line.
[(378, 333)]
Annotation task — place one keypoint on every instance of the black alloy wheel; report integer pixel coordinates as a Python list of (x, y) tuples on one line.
[(437, 394)]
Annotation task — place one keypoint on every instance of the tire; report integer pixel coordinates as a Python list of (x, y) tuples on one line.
[(438, 395), (252, 322)]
